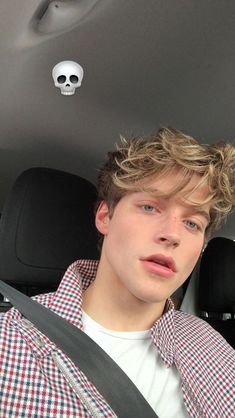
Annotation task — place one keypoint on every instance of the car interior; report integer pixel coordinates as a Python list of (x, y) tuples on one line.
[(77, 74)]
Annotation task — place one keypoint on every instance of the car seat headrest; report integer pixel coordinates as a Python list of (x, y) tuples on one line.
[(216, 276), (47, 223)]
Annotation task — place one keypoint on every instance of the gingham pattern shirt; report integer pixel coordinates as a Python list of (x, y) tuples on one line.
[(38, 381)]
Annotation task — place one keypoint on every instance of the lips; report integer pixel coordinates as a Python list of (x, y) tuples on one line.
[(160, 264)]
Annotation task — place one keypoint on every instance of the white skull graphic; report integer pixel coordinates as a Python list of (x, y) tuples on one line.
[(67, 75)]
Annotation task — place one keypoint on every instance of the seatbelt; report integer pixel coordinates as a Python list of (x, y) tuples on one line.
[(109, 379)]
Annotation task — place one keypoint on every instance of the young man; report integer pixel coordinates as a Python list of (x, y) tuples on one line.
[(160, 198)]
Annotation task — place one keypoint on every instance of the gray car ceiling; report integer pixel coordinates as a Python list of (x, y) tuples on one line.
[(146, 64)]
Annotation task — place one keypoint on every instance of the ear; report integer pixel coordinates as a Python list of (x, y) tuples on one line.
[(102, 218)]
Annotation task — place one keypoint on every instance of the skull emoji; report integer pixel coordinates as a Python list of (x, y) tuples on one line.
[(67, 75)]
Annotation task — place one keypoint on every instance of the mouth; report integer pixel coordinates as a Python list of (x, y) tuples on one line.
[(160, 264)]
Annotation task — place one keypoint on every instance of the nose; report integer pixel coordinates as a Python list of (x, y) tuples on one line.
[(169, 233)]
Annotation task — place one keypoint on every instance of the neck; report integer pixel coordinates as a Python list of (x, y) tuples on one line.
[(110, 304)]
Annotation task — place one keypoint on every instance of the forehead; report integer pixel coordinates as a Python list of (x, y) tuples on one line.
[(191, 191)]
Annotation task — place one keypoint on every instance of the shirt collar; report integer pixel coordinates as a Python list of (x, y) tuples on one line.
[(163, 333), (67, 302)]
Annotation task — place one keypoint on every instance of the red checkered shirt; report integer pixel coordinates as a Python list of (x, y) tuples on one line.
[(37, 380)]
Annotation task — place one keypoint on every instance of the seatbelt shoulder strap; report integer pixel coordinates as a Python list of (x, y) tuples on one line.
[(109, 379)]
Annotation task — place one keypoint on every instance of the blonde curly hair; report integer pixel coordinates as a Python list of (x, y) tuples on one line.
[(139, 160)]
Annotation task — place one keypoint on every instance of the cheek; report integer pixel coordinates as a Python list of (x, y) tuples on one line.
[(122, 236), (194, 252), (117, 234)]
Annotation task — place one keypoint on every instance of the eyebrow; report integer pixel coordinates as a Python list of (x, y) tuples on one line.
[(203, 213)]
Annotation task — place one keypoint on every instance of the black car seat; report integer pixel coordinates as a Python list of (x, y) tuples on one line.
[(216, 297), (46, 224)]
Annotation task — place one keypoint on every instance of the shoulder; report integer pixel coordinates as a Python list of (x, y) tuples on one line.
[(198, 336), (13, 315), (206, 363), (18, 336)]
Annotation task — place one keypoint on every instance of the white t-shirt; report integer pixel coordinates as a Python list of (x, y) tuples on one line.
[(137, 356)]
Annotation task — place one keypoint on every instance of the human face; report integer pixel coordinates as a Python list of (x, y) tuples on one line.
[(151, 244)]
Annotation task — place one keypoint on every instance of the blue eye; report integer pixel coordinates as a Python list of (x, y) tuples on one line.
[(148, 208), (192, 225)]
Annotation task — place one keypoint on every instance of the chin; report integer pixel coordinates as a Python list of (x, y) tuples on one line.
[(150, 298)]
